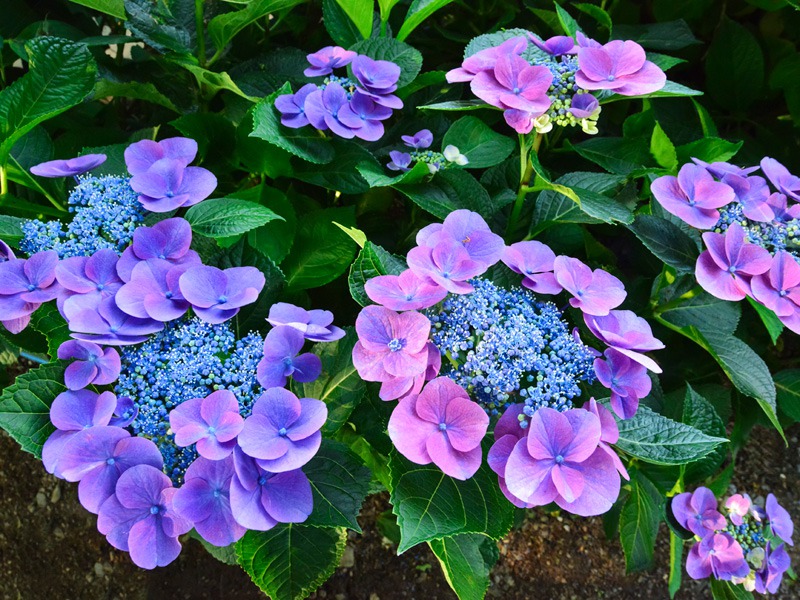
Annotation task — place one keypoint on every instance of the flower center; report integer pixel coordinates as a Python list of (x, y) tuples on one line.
[(222, 299), (100, 287), (442, 426), (110, 461), (31, 287), (155, 509), (168, 295), (212, 430), (397, 344), (282, 431), (611, 78), (262, 480), (559, 459), (169, 194)]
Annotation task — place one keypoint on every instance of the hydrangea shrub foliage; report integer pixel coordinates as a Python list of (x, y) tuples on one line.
[(339, 248)]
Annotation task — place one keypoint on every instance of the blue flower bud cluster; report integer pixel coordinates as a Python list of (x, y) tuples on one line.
[(106, 211), (773, 236), (750, 534), (188, 359), (505, 346), (563, 90), (348, 84)]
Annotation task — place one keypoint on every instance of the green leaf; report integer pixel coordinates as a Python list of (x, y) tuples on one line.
[(224, 554), (360, 13), (638, 523), (734, 67), (725, 590), (275, 239), (136, 90), (662, 149), (375, 174), (321, 251), (386, 7), (787, 385), (404, 56), (709, 149), (290, 561), (771, 322), (154, 23), (341, 175), (568, 24), (552, 207), (467, 561), (49, 322), (700, 414), (210, 80), (339, 385), (482, 146), (339, 26), (457, 105), (430, 505), (224, 27), (11, 230), (371, 262), (115, 8), (492, 40), (304, 142), (672, 35), (704, 310), (666, 241), (25, 406), (339, 482), (448, 191), (656, 439), (670, 90), (597, 13), (230, 216), (61, 76), (675, 566), (663, 61), (616, 155), (417, 13)]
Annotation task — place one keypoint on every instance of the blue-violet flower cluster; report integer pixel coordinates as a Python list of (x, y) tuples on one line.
[(420, 152)]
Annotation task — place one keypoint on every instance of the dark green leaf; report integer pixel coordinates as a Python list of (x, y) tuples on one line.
[(360, 13), (734, 67), (787, 385), (343, 174), (339, 26), (616, 155), (672, 35), (49, 322), (675, 566), (225, 217), (115, 8), (771, 322), (375, 174), (11, 230), (597, 13), (666, 241), (482, 146), (417, 13), (704, 310), (224, 27), (457, 105), (466, 560), (568, 24), (275, 239), (553, 207), (138, 90), (448, 191), (25, 406), (700, 414), (709, 149), (224, 554), (154, 23), (371, 262), (638, 523), (404, 56), (725, 590), (290, 561)]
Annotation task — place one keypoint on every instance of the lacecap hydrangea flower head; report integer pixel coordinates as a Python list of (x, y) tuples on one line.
[(740, 542), (541, 83), (420, 152), (170, 421), (457, 351), (751, 228)]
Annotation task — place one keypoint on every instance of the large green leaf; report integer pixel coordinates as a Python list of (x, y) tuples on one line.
[(290, 561), (115, 8), (138, 90), (321, 251), (225, 217), (340, 482), (275, 239), (11, 229), (305, 142), (155, 23), (654, 438), (371, 262), (25, 406), (339, 385), (672, 35), (466, 560), (448, 191), (553, 207), (704, 310), (339, 26), (638, 523), (49, 322), (61, 75), (771, 322), (787, 384), (343, 174), (476, 140), (700, 414), (667, 241), (734, 67), (417, 13), (360, 13), (224, 27), (431, 505), (404, 56), (725, 590), (617, 155)]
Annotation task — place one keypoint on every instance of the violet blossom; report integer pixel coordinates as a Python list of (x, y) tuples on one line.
[(400, 161), (486, 59), (694, 195), (620, 66), (169, 184), (627, 333), (166, 240), (717, 554), (217, 295), (153, 291), (781, 178), (627, 380), (322, 108), (406, 291), (697, 512), (448, 265), (91, 364), (212, 423), (780, 522), (609, 433), (507, 433), (377, 79), (282, 359), (90, 277), (142, 155), (325, 60), (70, 167), (776, 563), (25, 284), (292, 107), (315, 325), (469, 229), (594, 292), (420, 140), (555, 46), (534, 261), (779, 288), (105, 323), (738, 506), (363, 115)]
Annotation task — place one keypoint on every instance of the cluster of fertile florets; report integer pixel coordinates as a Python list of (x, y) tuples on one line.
[(169, 422), (753, 232), (348, 108), (420, 143), (743, 544), (479, 350), (537, 90)]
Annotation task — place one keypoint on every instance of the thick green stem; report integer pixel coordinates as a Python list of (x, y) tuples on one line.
[(199, 20), (526, 174), (3, 181)]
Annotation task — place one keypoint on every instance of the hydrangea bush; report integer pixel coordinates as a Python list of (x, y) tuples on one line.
[(536, 244)]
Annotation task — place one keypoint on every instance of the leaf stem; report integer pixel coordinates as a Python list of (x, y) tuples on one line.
[(525, 176), (3, 181), (200, 31)]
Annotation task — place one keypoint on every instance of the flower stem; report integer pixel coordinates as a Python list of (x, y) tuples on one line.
[(3, 181), (200, 31), (525, 176)]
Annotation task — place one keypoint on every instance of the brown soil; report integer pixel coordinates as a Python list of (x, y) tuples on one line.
[(50, 549)]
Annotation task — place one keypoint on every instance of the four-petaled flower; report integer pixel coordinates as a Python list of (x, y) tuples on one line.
[(315, 325), (717, 554), (217, 295), (693, 195), (620, 66), (212, 423), (627, 380), (70, 167), (594, 292), (697, 512), (325, 60), (282, 359), (91, 364), (406, 291), (166, 240), (534, 261)]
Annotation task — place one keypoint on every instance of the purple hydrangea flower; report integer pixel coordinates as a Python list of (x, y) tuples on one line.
[(72, 412), (693, 195), (391, 347), (140, 517), (292, 106), (283, 432), (97, 456), (468, 229), (6, 253), (752, 193), (90, 277), (91, 365), (322, 108), (153, 291), (717, 554), (166, 240), (70, 167), (781, 209), (720, 169), (420, 140), (315, 325), (697, 512), (442, 426), (594, 292), (485, 60), (776, 563), (204, 500), (627, 333), (560, 461), (725, 268), (363, 115), (400, 161), (448, 265), (781, 178), (142, 155), (105, 323), (779, 288), (555, 46), (780, 522), (738, 506), (212, 423), (586, 42), (25, 284), (620, 66), (609, 433), (217, 295), (324, 61), (125, 412), (260, 499), (584, 106), (406, 291), (378, 79), (282, 359), (169, 184), (507, 433), (627, 380), (534, 261)]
